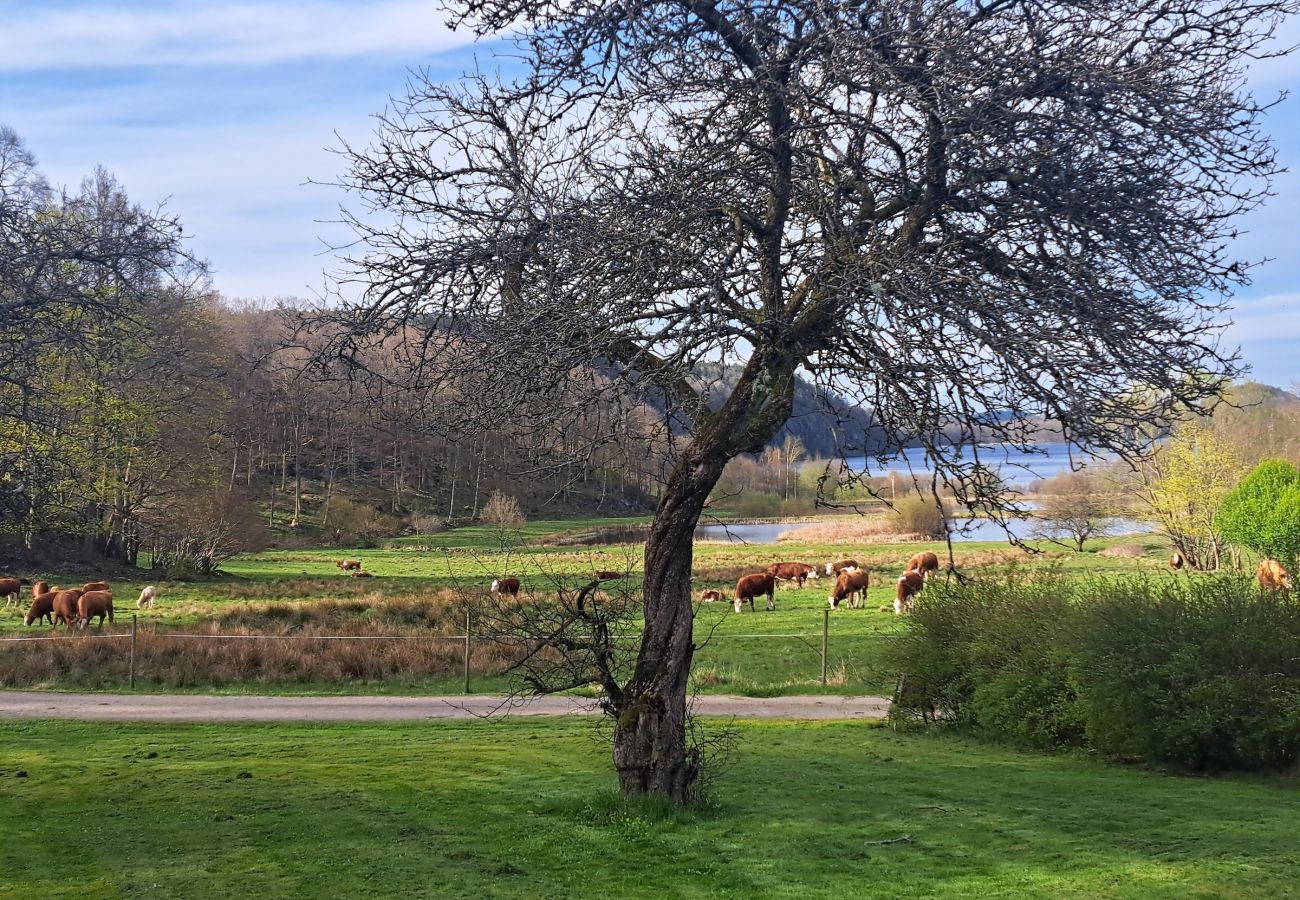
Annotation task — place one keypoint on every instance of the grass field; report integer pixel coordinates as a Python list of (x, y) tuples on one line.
[(524, 809), (751, 653)]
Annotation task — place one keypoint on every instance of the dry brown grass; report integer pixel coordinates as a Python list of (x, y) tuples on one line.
[(864, 530), (266, 644), (1124, 551)]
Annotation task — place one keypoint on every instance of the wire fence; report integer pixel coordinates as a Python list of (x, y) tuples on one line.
[(819, 643)]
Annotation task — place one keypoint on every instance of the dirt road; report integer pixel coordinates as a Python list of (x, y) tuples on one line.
[(206, 708)]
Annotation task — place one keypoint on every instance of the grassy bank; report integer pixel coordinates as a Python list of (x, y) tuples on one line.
[(523, 808)]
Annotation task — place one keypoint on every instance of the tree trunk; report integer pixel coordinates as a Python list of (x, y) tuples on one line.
[(650, 751)]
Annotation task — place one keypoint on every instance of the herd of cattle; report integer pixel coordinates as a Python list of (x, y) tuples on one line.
[(74, 607), (851, 582)]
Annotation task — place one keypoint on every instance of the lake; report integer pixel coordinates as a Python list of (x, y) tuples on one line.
[(1014, 466)]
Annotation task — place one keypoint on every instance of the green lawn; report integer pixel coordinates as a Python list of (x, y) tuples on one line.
[(524, 809)]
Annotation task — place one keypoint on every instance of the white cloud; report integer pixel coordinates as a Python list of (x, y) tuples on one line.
[(81, 35)]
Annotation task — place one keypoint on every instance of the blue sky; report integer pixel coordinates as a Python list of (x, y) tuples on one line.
[(226, 109)]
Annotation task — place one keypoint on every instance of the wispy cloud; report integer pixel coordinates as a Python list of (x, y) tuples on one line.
[(88, 35), (1275, 317)]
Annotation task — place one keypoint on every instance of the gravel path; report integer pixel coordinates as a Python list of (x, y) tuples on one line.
[(207, 708)]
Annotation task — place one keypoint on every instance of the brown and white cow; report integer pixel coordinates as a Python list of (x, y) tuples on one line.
[(851, 583), (348, 565), (12, 589), (1176, 561), (910, 583), (1272, 576), (94, 604), (792, 571), (835, 568), (710, 596), (751, 586), (506, 586), (924, 562), (42, 608)]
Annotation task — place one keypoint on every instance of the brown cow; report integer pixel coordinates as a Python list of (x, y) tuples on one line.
[(94, 586), (348, 565), (1176, 561), (751, 586), (360, 574), (792, 571), (12, 589), (506, 586), (1272, 576), (924, 562), (65, 607), (710, 596), (835, 568), (910, 583), (39, 588), (42, 608), (853, 584), (94, 604), (609, 575)]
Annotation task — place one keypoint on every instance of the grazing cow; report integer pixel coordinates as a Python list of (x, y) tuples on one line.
[(710, 596), (792, 571), (39, 588), (42, 608), (65, 607), (506, 586), (347, 565), (1272, 576), (751, 586), (147, 597), (851, 583), (94, 586), (94, 604), (1176, 561), (360, 574), (12, 589), (910, 583), (924, 562), (835, 568), (609, 575)]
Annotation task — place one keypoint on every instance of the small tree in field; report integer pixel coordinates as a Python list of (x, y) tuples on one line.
[(1263, 512), (1075, 504), (933, 209), (503, 512)]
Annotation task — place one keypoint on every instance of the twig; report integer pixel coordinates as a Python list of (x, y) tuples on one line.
[(905, 839)]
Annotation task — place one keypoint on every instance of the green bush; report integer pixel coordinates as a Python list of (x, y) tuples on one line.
[(1263, 512), (1196, 673)]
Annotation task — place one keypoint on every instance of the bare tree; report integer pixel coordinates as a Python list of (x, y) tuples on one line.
[(1076, 505), (964, 216)]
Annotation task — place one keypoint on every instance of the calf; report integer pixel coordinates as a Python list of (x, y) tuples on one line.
[(94, 604), (506, 586), (710, 596), (12, 589), (1176, 561), (147, 597), (924, 562), (792, 571), (751, 586), (1272, 576), (910, 584), (42, 609), (65, 607), (835, 568), (853, 584), (94, 586)]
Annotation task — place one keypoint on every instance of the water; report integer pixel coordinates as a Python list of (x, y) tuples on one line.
[(1014, 466), (748, 534)]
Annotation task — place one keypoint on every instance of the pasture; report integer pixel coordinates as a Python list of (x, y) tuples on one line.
[(524, 808), (422, 585)]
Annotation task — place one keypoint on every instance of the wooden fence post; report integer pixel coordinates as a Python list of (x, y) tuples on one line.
[(131, 664), (826, 628), (467, 614)]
